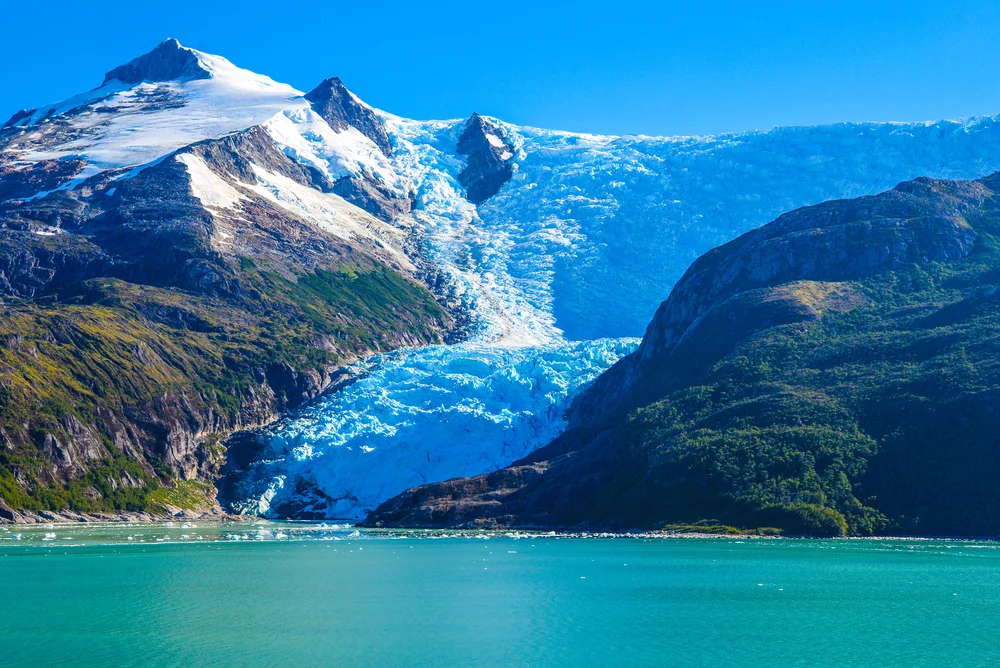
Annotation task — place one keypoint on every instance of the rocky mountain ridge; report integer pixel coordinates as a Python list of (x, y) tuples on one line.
[(169, 61)]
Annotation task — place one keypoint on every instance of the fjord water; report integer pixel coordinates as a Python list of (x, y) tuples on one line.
[(332, 597)]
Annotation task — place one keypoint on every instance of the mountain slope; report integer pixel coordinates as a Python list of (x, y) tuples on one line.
[(152, 310), (834, 371)]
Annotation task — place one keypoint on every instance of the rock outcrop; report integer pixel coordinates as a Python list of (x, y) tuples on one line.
[(169, 61), (18, 117), (341, 109), (489, 159)]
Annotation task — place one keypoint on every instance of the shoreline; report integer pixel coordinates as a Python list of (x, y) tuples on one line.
[(47, 519), (27, 518)]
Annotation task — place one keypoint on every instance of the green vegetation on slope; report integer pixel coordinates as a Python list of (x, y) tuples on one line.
[(110, 365), (832, 427)]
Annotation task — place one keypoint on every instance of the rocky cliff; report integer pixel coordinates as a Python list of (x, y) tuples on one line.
[(489, 159)]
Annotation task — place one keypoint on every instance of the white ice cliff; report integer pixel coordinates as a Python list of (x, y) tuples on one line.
[(578, 248), (416, 416)]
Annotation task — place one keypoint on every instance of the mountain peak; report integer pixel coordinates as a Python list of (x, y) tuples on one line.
[(168, 61), (340, 108)]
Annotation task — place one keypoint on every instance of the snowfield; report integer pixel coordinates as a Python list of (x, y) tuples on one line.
[(127, 126), (557, 270)]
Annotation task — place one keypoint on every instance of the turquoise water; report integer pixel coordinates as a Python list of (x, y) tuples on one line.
[(330, 596)]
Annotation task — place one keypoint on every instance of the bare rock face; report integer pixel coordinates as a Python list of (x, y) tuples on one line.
[(31, 264), (18, 117), (169, 61), (341, 110), (39, 177), (489, 157), (371, 195), (482, 502)]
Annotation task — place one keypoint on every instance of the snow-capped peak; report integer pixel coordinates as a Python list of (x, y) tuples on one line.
[(153, 105), (169, 61), (172, 61)]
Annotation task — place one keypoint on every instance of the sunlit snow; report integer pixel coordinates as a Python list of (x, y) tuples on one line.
[(212, 191), (127, 126)]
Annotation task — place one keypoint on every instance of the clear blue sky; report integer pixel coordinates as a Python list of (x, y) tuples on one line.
[(611, 66)]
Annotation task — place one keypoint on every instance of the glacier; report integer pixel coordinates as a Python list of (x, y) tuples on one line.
[(576, 252), (594, 230), (557, 272), (417, 416)]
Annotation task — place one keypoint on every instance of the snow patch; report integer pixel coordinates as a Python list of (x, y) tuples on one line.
[(211, 190), (327, 211), (69, 104), (307, 138)]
